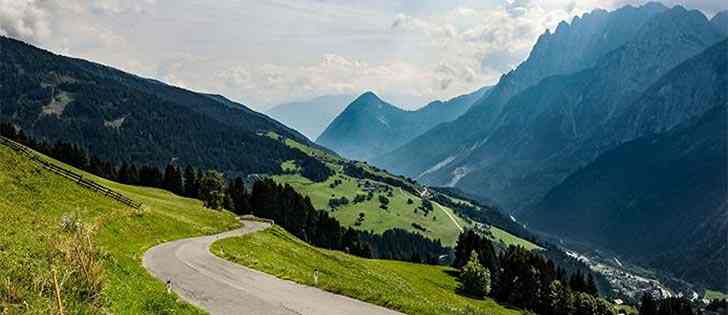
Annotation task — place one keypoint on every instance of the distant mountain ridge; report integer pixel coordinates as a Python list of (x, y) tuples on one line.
[(370, 126), (515, 152), (659, 198), (579, 41), (122, 117), (313, 116), (720, 21)]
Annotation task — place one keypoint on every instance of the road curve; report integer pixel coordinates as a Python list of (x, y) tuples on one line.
[(222, 287)]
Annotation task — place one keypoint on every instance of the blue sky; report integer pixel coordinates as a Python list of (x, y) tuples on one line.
[(266, 52)]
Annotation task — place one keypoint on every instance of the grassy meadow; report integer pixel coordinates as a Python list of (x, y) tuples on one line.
[(94, 244), (400, 214)]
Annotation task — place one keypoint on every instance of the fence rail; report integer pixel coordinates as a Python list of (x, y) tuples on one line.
[(75, 177)]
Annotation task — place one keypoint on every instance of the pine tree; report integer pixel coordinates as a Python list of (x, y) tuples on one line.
[(475, 278), (173, 180), (648, 305), (212, 190), (123, 173), (133, 175), (190, 182), (591, 286)]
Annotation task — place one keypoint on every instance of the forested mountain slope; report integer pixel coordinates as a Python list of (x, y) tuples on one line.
[(659, 200), (122, 117)]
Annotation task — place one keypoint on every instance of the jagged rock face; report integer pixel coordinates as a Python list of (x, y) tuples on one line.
[(370, 126), (547, 132), (569, 49), (720, 21)]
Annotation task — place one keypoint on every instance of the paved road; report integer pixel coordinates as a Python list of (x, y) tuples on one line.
[(222, 287)]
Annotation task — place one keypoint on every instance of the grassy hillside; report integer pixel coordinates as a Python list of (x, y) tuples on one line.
[(33, 240), (440, 223), (437, 224), (409, 288)]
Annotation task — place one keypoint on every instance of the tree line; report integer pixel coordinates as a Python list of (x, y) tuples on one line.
[(296, 214), (525, 279), (266, 199), (121, 117), (666, 306)]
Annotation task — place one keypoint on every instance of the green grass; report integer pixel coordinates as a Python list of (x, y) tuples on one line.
[(510, 239), (409, 288), (290, 167), (715, 295), (399, 214), (32, 203)]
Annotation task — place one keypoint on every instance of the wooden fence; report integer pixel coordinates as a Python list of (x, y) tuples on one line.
[(75, 177)]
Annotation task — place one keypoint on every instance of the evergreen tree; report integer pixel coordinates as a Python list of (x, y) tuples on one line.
[(123, 173), (133, 175), (591, 286), (475, 278), (173, 180), (212, 190), (191, 183), (469, 241), (648, 305), (560, 300)]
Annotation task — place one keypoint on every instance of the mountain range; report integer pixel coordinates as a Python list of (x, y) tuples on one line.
[(370, 126), (123, 117), (313, 116), (612, 132), (538, 127), (660, 199)]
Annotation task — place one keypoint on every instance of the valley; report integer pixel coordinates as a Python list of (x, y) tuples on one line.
[(385, 204), (582, 171)]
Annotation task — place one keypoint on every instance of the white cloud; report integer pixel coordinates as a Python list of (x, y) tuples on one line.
[(25, 20), (425, 49)]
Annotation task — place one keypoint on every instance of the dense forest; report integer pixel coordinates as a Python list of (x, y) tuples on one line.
[(528, 280), (120, 117), (125, 172)]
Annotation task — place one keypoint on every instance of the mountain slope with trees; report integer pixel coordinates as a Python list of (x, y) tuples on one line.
[(125, 118), (672, 183)]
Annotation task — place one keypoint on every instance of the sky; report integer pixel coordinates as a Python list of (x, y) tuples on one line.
[(268, 52)]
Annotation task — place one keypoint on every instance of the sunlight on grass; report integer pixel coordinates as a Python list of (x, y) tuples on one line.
[(406, 287), (32, 203)]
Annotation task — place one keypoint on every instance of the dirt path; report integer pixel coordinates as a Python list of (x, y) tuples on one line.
[(450, 216), (222, 287)]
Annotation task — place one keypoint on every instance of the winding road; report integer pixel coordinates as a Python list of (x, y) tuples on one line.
[(223, 287)]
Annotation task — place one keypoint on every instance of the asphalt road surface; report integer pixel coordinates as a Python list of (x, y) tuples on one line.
[(222, 287)]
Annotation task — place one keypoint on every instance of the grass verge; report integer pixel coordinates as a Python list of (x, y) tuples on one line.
[(408, 288), (34, 204)]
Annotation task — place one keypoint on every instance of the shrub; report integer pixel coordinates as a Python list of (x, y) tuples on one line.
[(475, 278)]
